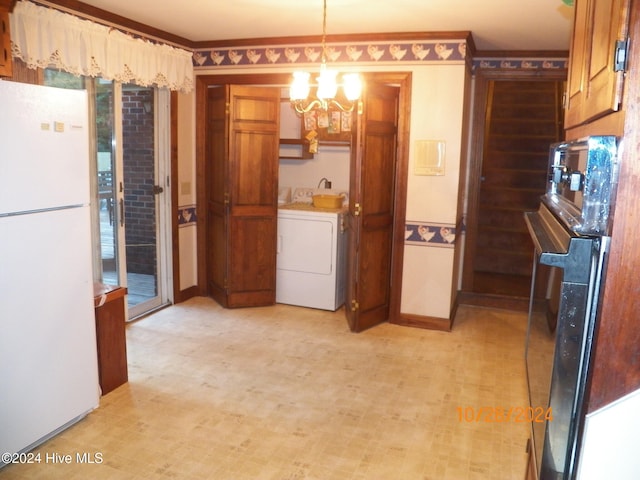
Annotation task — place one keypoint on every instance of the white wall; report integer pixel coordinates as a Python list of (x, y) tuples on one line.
[(437, 107), (186, 185), (331, 161)]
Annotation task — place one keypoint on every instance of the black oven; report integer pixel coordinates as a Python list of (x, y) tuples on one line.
[(570, 232)]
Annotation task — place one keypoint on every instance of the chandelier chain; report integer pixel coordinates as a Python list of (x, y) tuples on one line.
[(327, 86), (324, 32)]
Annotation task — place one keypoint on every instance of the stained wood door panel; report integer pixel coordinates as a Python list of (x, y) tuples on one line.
[(242, 179), (372, 187), (216, 226), (253, 147), (595, 87), (251, 263), (373, 285)]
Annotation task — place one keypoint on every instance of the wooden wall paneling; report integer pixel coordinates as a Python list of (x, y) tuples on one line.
[(616, 356)]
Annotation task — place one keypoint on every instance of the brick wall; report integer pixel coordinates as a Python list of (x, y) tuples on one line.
[(139, 200)]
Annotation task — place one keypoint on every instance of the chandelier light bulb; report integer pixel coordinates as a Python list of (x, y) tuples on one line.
[(327, 84), (352, 86), (299, 89)]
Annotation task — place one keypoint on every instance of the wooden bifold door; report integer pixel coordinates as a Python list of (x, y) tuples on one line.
[(242, 183)]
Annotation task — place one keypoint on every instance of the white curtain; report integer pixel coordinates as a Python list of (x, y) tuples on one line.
[(45, 37)]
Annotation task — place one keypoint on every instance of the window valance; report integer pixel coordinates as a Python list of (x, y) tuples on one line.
[(45, 37)]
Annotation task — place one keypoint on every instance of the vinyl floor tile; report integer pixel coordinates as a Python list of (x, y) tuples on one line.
[(287, 393)]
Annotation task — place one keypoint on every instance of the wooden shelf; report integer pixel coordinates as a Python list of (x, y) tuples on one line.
[(302, 144)]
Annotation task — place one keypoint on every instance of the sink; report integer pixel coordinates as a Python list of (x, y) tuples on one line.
[(327, 201)]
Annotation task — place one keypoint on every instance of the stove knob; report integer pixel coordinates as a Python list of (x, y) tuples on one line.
[(558, 173), (575, 181)]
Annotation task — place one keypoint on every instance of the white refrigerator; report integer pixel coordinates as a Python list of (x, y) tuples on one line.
[(48, 360)]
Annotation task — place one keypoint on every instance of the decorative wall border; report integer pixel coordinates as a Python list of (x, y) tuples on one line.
[(187, 216), (521, 63), (426, 234), (389, 52)]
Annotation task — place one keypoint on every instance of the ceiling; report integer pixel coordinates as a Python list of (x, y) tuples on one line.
[(495, 24)]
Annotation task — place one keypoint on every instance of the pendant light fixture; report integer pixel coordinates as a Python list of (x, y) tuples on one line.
[(326, 88)]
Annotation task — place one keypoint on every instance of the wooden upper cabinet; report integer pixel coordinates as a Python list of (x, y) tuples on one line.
[(594, 87), (6, 62)]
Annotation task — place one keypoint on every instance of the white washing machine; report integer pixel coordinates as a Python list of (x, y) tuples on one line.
[(311, 260)]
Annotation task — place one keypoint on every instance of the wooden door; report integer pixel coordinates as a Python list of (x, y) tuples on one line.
[(371, 209), (242, 193), (217, 206)]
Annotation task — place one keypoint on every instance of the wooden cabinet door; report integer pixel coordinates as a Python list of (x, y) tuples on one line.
[(609, 22), (371, 209), (243, 186), (6, 62), (576, 84), (594, 86)]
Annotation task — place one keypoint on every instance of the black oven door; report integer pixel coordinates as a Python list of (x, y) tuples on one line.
[(556, 362)]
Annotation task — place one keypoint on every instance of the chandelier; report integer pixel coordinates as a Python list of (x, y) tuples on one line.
[(326, 89)]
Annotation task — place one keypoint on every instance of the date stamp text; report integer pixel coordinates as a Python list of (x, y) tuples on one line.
[(504, 414)]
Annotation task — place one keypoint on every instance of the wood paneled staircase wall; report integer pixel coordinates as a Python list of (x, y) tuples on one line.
[(522, 118)]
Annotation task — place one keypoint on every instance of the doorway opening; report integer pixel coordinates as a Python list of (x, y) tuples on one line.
[(518, 118), (401, 80)]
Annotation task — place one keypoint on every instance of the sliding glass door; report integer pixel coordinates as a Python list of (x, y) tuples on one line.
[(144, 189), (131, 202)]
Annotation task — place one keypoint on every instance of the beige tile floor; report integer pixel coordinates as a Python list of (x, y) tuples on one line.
[(286, 393)]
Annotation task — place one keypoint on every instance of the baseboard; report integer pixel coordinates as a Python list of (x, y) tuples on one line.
[(423, 321), (184, 295)]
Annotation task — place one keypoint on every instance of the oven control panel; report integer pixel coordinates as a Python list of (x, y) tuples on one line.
[(582, 178), (573, 180)]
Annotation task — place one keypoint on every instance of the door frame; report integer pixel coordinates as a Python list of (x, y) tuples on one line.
[(482, 78), (401, 79), (162, 168)]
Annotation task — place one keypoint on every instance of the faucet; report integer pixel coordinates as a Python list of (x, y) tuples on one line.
[(327, 183)]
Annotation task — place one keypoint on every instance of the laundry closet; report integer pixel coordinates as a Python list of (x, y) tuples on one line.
[(244, 163), (314, 161)]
